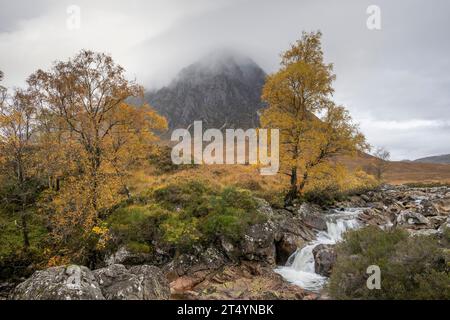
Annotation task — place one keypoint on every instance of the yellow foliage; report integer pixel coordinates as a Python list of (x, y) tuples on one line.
[(312, 128)]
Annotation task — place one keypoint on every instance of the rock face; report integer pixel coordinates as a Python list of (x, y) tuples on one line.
[(60, 283), (115, 282), (258, 244), (223, 90), (312, 216), (325, 258), (136, 283), (248, 280), (287, 245), (243, 269)]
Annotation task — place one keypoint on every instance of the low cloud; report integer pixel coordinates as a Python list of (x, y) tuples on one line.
[(394, 81)]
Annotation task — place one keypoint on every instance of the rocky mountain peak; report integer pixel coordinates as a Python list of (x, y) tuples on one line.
[(222, 89)]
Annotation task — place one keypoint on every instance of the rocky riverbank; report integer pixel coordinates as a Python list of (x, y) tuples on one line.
[(244, 269)]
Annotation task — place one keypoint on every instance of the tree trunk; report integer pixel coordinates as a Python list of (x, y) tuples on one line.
[(293, 191), (303, 183)]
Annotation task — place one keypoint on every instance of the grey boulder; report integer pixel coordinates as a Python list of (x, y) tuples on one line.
[(60, 283), (136, 283)]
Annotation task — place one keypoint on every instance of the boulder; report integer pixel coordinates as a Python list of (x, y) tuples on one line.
[(288, 244), (324, 259), (258, 244), (136, 283), (410, 218), (200, 259), (442, 206), (312, 216), (60, 283), (428, 208), (374, 217)]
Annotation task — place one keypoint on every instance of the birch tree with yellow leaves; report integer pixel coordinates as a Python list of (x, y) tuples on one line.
[(86, 103), (313, 129), (20, 181)]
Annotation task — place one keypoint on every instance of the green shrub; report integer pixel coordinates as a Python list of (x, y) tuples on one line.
[(186, 214), (137, 224), (181, 232), (411, 267)]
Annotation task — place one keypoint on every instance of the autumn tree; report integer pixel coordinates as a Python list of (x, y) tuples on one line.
[(86, 105), (20, 181), (381, 163), (313, 129)]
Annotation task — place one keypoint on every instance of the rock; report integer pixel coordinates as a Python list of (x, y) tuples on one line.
[(374, 217), (312, 216), (258, 244), (288, 224), (436, 222), (324, 259), (442, 206), (246, 281), (230, 250), (128, 258), (410, 218), (203, 259), (445, 225), (6, 288), (60, 283), (428, 208), (187, 283), (136, 283), (422, 232), (288, 244)]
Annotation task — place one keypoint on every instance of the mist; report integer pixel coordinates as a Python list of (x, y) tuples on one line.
[(394, 81)]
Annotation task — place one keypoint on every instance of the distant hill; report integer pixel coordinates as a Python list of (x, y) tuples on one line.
[(399, 172), (223, 90), (443, 159)]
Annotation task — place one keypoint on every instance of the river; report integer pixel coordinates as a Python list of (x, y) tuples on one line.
[(299, 268)]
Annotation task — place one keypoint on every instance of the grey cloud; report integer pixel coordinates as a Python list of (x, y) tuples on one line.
[(400, 73)]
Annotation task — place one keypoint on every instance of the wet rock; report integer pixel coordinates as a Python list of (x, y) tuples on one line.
[(136, 283), (312, 216), (324, 259), (248, 281), (288, 244), (60, 283)]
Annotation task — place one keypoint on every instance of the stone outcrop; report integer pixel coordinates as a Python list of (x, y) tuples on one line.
[(136, 283), (312, 216), (114, 282), (60, 283), (248, 280), (324, 259)]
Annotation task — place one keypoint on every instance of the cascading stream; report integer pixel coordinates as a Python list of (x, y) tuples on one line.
[(299, 269)]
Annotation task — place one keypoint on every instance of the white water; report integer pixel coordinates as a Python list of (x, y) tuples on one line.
[(299, 269)]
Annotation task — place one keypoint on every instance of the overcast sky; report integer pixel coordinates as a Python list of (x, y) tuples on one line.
[(395, 81)]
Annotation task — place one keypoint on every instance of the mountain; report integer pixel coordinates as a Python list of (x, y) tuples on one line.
[(223, 90), (443, 159)]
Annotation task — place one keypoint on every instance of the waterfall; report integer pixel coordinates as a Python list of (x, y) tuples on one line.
[(299, 268)]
